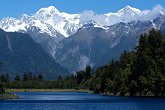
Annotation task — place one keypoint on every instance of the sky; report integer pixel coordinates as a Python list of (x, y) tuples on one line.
[(15, 8)]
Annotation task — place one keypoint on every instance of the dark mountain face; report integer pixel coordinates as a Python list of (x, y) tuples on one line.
[(97, 46), (20, 54), (47, 42)]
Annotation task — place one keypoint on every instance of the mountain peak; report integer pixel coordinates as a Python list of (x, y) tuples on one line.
[(50, 19), (51, 10), (23, 16), (128, 10)]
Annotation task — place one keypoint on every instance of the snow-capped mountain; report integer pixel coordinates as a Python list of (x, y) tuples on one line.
[(76, 40), (63, 23), (126, 14), (97, 46), (68, 24), (47, 26)]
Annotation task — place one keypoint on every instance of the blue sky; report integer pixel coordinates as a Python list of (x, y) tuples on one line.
[(14, 8)]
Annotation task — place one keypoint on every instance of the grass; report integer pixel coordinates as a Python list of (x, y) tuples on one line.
[(47, 90), (7, 95)]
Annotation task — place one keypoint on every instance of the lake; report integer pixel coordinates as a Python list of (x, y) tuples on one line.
[(79, 101)]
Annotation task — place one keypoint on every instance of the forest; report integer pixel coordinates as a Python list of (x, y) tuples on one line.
[(140, 72)]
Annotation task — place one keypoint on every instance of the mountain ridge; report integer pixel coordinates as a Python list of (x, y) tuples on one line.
[(18, 57), (96, 46), (61, 35), (68, 24)]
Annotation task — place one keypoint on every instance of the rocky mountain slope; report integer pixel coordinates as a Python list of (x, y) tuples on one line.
[(20, 54), (86, 38), (96, 46)]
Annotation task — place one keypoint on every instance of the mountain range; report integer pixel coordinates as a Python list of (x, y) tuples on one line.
[(86, 38)]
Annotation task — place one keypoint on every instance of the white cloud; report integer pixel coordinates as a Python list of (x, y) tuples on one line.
[(87, 15), (113, 18)]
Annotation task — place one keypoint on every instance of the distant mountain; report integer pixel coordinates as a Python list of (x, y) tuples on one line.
[(95, 46), (20, 54), (49, 20), (48, 26), (87, 38)]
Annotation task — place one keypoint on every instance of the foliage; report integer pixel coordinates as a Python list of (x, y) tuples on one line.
[(137, 73)]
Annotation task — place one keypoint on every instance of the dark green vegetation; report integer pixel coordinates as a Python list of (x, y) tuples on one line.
[(137, 73), (19, 54), (6, 95), (31, 81)]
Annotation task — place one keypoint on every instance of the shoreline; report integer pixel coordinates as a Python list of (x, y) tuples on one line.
[(8, 96), (72, 90), (48, 90)]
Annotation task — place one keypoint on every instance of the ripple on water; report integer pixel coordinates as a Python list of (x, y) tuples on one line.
[(80, 101)]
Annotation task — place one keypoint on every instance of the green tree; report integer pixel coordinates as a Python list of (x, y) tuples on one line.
[(2, 89), (88, 71), (17, 78), (40, 77), (25, 77), (59, 77), (80, 76), (133, 88), (4, 78)]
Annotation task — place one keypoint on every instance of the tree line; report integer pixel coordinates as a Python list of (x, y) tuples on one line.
[(31, 81)]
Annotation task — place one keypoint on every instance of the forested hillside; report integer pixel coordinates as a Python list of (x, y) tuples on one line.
[(137, 73)]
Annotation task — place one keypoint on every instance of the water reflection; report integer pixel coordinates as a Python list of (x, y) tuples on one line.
[(79, 101)]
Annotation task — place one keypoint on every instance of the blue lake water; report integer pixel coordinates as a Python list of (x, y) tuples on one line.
[(79, 101)]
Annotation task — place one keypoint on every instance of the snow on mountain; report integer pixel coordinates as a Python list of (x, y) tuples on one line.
[(95, 46), (68, 24), (11, 25), (128, 10), (94, 24), (65, 24), (129, 14), (90, 35)]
